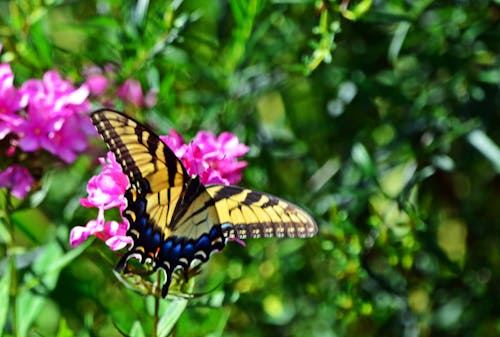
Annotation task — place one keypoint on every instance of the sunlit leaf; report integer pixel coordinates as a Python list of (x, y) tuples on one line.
[(137, 330), (361, 157), (486, 146)]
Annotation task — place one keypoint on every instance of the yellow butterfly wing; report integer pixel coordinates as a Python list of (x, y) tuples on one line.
[(254, 214), (153, 170)]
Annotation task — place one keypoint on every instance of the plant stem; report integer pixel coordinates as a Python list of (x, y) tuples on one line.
[(12, 263), (13, 294), (157, 308)]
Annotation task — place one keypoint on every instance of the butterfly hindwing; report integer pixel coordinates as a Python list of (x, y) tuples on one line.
[(254, 214)]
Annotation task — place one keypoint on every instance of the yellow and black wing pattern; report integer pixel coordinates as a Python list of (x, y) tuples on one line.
[(174, 219), (254, 214)]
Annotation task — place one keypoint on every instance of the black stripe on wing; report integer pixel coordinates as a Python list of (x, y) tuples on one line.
[(255, 214), (137, 148)]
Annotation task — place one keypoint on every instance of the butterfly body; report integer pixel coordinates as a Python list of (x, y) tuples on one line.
[(176, 221)]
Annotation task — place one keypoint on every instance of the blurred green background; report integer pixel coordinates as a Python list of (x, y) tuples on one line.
[(381, 118)]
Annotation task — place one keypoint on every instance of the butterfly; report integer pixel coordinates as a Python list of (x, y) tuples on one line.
[(175, 221)]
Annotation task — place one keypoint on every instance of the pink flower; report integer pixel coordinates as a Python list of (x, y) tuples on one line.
[(221, 154), (68, 139), (99, 80), (175, 142), (112, 233), (56, 117), (106, 190), (131, 91), (18, 179), (34, 132), (97, 84), (10, 101), (214, 159), (54, 97), (151, 98), (8, 122)]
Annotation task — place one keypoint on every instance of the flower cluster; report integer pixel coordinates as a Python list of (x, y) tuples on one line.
[(51, 115), (18, 179), (214, 159), (100, 81), (106, 190), (42, 114)]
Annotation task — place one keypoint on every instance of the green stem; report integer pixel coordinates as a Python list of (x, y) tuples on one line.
[(13, 294), (12, 262), (157, 308)]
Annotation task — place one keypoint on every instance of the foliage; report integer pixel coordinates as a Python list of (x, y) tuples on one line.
[(380, 117)]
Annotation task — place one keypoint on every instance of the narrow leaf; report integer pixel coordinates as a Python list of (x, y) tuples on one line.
[(361, 157), (5, 282), (486, 146), (171, 316)]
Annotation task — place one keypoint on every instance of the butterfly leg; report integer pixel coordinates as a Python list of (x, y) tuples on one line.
[(166, 284), (185, 274)]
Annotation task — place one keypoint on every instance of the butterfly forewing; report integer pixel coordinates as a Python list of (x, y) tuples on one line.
[(255, 214), (139, 151), (157, 178)]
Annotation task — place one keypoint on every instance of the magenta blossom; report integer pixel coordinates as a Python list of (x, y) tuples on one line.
[(10, 101), (214, 159), (97, 84), (151, 98), (131, 91), (112, 233), (106, 190), (101, 82), (55, 118), (18, 179)]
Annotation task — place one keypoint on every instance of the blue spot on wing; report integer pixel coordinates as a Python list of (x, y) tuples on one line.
[(142, 222), (176, 252), (202, 243), (156, 239)]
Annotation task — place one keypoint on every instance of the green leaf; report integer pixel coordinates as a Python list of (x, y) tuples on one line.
[(173, 312), (489, 76), (42, 45), (396, 178), (46, 270), (55, 266), (357, 11), (64, 330), (28, 306), (171, 316), (486, 146), (361, 157), (5, 282), (137, 330), (397, 40), (5, 237)]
